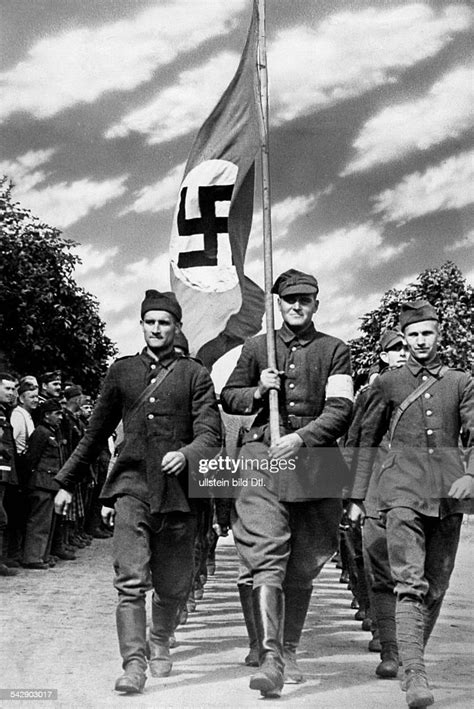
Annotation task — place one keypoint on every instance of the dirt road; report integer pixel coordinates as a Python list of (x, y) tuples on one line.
[(57, 632)]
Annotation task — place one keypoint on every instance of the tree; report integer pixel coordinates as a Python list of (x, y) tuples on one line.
[(453, 298), (47, 321)]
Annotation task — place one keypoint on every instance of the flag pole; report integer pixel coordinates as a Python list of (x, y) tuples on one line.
[(267, 223)]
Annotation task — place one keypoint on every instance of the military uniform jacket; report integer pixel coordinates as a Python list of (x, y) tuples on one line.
[(7, 449), (315, 401), (44, 456), (181, 416), (424, 458)]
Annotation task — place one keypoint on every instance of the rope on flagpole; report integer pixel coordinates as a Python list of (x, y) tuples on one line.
[(267, 222)]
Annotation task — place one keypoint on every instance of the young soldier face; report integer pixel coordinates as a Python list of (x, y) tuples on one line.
[(395, 356), (297, 309), (422, 339), (159, 328), (7, 392)]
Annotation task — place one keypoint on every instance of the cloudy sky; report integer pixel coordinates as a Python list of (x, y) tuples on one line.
[(371, 120)]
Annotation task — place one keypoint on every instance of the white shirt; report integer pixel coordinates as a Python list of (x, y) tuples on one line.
[(23, 427)]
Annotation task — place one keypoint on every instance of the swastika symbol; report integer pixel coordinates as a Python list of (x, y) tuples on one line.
[(208, 224)]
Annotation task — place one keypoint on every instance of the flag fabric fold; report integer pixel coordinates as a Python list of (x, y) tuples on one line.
[(213, 218)]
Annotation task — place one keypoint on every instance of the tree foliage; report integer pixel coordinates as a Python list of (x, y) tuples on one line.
[(47, 321), (453, 298)]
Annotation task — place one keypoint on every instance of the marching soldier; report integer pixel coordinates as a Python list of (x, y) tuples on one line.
[(421, 485), (286, 529), (170, 421)]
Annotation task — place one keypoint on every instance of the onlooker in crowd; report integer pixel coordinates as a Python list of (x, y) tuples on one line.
[(44, 456), (21, 417), (23, 426), (8, 476), (50, 386)]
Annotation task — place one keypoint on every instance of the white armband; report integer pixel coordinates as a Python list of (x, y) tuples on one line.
[(340, 385)]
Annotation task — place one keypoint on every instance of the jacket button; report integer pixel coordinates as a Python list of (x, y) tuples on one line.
[(427, 395), (152, 381), (150, 416), (152, 399), (292, 366), (292, 403), (429, 412), (424, 378), (255, 435), (293, 348), (291, 386), (153, 366), (429, 432), (430, 451)]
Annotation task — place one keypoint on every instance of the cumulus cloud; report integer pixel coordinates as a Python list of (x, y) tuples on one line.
[(160, 196), (350, 53), (181, 108), (93, 259), (284, 214), (337, 258), (353, 52), (447, 185), (80, 65), (115, 284), (445, 112), (466, 242), (341, 253), (60, 204)]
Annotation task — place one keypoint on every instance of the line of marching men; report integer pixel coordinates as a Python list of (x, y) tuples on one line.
[(284, 536)]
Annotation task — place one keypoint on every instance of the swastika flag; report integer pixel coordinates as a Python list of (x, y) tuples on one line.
[(213, 217)]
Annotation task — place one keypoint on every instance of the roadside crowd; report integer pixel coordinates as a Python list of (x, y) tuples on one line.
[(40, 425)]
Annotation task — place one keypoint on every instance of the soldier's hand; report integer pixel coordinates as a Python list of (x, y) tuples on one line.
[(269, 379), (356, 512), (286, 447), (463, 488), (108, 516), (62, 501), (173, 463)]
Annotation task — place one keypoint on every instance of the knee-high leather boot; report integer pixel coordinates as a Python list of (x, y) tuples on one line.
[(296, 607), (164, 619), (131, 630), (410, 630), (269, 610), (383, 606), (245, 593)]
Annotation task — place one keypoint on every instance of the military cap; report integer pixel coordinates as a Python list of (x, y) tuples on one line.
[(389, 338), (50, 405), (51, 376), (26, 386), (416, 311), (154, 300), (71, 391), (293, 281)]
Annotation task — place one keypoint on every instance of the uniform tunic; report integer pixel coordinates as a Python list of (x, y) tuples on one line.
[(423, 461), (181, 416), (287, 529)]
